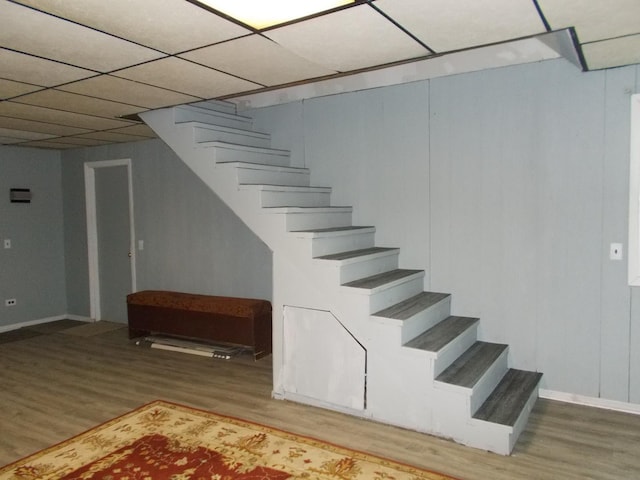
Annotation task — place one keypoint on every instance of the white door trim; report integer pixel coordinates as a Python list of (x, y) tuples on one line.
[(92, 229)]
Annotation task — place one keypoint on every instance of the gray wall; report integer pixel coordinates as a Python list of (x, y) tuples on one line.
[(32, 271), (507, 186), (192, 241)]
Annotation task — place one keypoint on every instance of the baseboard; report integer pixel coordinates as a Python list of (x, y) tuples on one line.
[(603, 403), (79, 318), (30, 323)]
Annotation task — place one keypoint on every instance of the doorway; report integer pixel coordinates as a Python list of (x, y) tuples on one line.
[(110, 238)]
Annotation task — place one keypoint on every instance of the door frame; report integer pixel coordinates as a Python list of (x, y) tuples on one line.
[(92, 230)]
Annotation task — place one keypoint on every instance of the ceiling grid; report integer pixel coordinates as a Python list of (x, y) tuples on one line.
[(73, 72)]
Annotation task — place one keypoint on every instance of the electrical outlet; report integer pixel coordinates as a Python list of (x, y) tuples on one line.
[(615, 251), (10, 302)]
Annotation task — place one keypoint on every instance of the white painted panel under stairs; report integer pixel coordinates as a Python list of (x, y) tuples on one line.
[(315, 339), (425, 368)]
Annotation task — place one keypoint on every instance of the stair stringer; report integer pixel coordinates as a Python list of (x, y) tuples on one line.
[(393, 371)]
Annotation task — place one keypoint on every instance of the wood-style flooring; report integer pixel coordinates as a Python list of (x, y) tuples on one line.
[(59, 379)]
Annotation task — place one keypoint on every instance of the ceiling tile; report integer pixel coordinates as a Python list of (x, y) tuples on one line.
[(31, 112), (42, 127), (84, 142), (37, 33), (258, 59), (9, 140), (37, 71), (349, 39), (594, 20), (171, 26), (186, 77), (10, 89), (612, 53), (111, 136), (72, 102), (447, 25), (48, 144), (128, 91), (21, 134)]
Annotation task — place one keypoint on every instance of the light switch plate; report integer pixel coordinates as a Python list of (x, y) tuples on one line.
[(7, 243)]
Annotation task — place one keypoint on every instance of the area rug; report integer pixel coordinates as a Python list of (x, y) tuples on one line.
[(162, 440)]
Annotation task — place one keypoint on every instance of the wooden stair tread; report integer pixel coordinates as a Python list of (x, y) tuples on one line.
[(224, 128), (467, 369), (408, 308), (211, 111), (381, 279), (334, 230), (332, 209), (269, 187), (357, 253), (263, 166), (434, 339), (506, 402), (244, 148)]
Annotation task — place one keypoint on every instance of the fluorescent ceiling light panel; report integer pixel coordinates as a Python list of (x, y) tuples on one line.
[(262, 14)]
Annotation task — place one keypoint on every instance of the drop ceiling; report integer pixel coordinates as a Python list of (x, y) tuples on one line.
[(76, 73)]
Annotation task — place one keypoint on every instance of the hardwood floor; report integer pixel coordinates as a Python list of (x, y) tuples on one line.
[(60, 379)]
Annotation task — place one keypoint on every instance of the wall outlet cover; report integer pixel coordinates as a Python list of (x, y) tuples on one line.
[(615, 251)]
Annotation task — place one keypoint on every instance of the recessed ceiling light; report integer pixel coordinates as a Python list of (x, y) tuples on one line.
[(261, 14)]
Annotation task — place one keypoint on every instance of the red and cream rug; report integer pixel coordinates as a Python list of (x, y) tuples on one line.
[(163, 440)]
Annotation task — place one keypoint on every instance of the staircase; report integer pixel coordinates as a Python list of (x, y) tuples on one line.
[(352, 331)]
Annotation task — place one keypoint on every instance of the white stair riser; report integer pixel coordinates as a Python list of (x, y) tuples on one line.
[(310, 221), (426, 319), (476, 396), (358, 270), (295, 199), (223, 154), (217, 106), (489, 381), (212, 117), (211, 134), (343, 243), (396, 294), (272, 177), (456, 348)]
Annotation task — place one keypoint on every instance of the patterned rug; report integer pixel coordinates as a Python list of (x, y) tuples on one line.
[(163, 440)]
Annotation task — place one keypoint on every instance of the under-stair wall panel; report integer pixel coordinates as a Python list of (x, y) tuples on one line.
[(322, 361)]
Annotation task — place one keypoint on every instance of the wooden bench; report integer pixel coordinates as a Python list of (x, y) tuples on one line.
[(228, 320)]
